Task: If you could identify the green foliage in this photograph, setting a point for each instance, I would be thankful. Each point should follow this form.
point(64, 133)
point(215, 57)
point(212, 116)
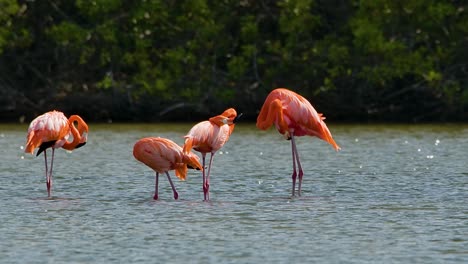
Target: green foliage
point(373, 59)
point(8, 10)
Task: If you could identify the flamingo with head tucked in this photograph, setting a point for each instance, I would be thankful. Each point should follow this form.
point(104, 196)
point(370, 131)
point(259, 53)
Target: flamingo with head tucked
point(163, 155)
point(293, 116)
point(53, 130)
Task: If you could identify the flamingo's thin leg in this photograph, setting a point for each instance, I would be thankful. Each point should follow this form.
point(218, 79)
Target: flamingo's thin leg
point(156, 187)
point(176, 195)
point(301, 173)
point(294, 174)
point(47, 173)
point(50, 172)
point(204, 177)
point(208, 178)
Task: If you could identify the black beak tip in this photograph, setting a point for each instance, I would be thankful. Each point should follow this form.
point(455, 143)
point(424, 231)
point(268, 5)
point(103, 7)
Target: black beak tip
point(237, 118)
point(191, 167)
point(80, 145)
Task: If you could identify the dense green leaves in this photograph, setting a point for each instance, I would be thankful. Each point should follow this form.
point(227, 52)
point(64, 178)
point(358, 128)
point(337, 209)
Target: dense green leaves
point(355, 60)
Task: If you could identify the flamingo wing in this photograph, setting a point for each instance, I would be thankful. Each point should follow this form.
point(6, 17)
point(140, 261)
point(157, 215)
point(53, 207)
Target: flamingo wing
point(52, 126)
point(298, 114)
point(157, 153)
point(208, 137)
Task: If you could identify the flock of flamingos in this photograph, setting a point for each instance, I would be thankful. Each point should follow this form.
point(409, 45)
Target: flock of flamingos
point(291, 113)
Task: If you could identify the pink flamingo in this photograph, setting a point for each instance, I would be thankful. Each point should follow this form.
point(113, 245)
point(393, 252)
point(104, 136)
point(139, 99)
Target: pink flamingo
point(208, 137)
point(293, 116)
point(163, 155)
point(52, 130)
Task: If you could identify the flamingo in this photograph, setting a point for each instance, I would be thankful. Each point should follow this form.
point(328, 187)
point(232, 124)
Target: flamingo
point(163, 155)
point(293, 116)
point(52, 130)
point(208, 137)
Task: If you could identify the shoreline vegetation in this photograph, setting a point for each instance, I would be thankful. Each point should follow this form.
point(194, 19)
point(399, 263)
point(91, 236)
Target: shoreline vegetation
point(170, 61)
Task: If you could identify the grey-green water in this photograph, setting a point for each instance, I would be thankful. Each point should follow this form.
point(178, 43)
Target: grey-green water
point(393, 194)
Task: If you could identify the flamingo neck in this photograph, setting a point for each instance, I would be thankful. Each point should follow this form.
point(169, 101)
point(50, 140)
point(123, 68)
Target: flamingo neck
point(77, 133)
point(274, 114)
point(220, 120)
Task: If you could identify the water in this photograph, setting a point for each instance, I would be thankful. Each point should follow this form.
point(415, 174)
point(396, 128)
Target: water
point(393, 194)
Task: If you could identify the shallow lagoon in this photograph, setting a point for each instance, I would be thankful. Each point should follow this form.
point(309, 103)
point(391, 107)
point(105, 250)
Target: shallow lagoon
point(395, 193)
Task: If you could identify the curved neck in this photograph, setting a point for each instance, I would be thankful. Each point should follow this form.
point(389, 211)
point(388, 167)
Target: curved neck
point(273, 112)
point(77, 133)
point(220, 120)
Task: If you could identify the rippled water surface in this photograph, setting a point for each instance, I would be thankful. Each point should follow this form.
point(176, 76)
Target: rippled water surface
point(393, 194)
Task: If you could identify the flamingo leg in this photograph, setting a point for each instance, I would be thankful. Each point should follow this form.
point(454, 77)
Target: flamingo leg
point(47, 173)
point(294, 174)
point(204, 177)
point(207, 184)
point(156, 187)
point(50, 172)
point(176, 195)
point(296, 154)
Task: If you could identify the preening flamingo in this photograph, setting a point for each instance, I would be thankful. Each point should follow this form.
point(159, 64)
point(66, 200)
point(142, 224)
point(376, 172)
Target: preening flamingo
point(293, 116)
point(163, 155)
point(52, 130)
point(208, 137)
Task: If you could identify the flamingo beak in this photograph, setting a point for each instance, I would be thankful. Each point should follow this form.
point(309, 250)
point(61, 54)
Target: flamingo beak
point(80, 145)
point(192, 167)
point(237, 118)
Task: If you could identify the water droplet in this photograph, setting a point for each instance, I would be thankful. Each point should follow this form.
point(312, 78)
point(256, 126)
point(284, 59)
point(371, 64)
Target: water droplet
point(360, 166)
point(22, 157)
point(21, 147)
point(261, 153)
point(419, 150)
point(356, 140)
point(406, 141)
point(430, 156)
point(227, 152)
point(221, 153)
